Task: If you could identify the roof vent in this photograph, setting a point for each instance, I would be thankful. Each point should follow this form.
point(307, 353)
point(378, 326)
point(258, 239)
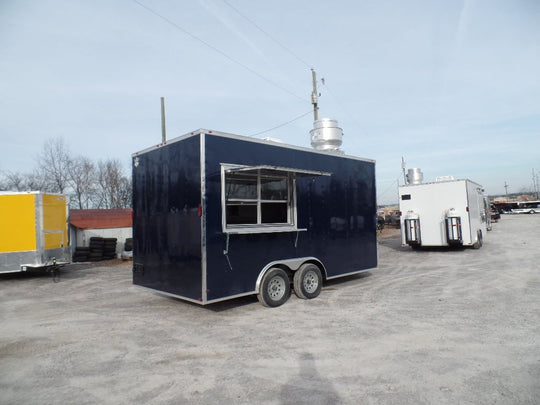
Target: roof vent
point(444, 178)
point(326, 135)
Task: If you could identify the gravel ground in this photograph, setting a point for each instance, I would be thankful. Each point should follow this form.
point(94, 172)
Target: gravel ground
point(430, 326)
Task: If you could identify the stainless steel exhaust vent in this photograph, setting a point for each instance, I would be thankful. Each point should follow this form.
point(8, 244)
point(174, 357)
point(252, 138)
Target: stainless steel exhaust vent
point(326, 135)
point(414, 176)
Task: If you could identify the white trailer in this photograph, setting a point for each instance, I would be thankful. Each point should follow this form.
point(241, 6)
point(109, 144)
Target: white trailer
point(446, 212)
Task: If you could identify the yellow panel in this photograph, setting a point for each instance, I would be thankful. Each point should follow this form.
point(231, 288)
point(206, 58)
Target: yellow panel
point(17, 223)
point(54, 240)
point(54, 219)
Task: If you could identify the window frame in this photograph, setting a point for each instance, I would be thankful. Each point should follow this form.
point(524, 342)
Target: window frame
point(292, 218)
point(261, 173)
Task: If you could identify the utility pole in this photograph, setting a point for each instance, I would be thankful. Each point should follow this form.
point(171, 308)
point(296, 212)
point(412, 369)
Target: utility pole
point(403, 170)
point(163, 133)
point(314, 96)
point(535, 183)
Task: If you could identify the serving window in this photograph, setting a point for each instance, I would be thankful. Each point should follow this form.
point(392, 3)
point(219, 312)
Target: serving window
point(260, 198)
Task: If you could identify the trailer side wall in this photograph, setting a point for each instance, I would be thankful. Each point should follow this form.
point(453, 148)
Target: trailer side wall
point(432, 201)
point(166, 223)
point(478, 209)
point(54, 221)
point(17, 223)
point(336, 213)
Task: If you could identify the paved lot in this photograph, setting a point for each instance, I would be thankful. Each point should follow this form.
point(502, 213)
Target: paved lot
point(427, 327)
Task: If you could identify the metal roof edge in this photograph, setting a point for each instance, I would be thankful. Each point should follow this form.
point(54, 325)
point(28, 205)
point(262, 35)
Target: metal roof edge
point(441, 182)
point(167, 142)
point(287, 145)
point(30, 192)
point(250, 139)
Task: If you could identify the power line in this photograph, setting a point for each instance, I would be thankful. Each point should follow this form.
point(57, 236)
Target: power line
point(346, 111)
point(281, 125)
point(267, 34)
point(380, 195)
point(215, 49)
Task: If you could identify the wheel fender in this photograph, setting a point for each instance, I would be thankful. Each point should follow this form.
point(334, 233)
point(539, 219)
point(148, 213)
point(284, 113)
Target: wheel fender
point(291, 265)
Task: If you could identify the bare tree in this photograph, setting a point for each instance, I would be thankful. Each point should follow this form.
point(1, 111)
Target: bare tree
point(114, 189)
point(53, 164)
point(17, 181)
point(125, 192)
point(14, 181)
point(89, 185)
point(82, 179)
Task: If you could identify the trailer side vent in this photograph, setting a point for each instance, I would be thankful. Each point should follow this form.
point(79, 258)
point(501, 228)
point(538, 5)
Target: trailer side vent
point(412, 231)
point(453, 230)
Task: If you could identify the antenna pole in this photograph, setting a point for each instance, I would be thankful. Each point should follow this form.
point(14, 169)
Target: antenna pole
point(163, 133)
point(314, 96)
point(535, 183)
point(403, 170)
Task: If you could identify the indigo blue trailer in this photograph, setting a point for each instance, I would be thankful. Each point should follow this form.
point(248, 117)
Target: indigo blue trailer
point(219, 216)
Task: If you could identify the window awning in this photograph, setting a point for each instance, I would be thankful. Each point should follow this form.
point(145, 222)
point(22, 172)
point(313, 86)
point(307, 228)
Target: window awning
point(273, 169)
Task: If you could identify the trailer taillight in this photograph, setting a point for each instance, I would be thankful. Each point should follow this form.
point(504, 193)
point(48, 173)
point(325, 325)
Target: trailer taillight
point(200, 210)
point(467, 209)
point(399, 213)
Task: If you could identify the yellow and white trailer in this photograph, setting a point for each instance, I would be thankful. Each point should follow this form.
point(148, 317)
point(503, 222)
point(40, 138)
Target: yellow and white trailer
point(33, 231)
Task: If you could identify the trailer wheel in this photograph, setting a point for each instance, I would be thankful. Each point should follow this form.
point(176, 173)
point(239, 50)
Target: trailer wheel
point(307, 281)
point(275, 288)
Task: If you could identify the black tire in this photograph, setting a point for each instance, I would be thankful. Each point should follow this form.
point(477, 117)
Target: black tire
point(307, 281)
point(275, 288)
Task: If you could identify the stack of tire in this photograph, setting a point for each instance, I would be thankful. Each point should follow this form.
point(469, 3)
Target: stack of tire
point(81, 254)
point(96, 249)
point(109, 248)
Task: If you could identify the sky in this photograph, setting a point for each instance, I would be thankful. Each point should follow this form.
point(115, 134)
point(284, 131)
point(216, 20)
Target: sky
point(453, 87)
